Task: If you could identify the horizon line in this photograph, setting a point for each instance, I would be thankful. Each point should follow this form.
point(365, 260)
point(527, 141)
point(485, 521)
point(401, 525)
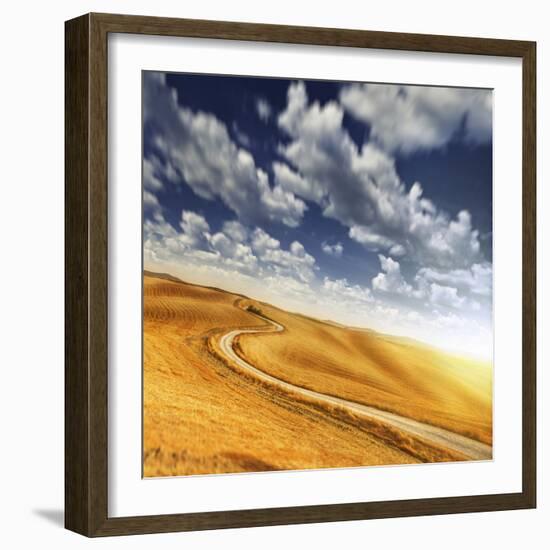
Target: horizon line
point(176, 279)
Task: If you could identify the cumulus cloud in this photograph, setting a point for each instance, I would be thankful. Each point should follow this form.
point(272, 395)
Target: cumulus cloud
point(195, 229)
point(291, 181)
point(151, 180)
point(262, 241)
point(242, 138)
point(446, 296)
point(200, 148)
point(193, 223)
point(150, 201)
point(235, 247)
point(478, 279)
point(360, 188)
point(296, 107)
point(235, 230)
point(295, 261)
point(238, 251)
point(425, 292)
point(234, 253)
point(335, 250)
point(263, 108)
point(340, 289)
point(375, 242)
point(412, 118)
point(390, 279)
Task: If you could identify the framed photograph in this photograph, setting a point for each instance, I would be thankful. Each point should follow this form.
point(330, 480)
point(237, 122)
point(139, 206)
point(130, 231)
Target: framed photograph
point(300, 275)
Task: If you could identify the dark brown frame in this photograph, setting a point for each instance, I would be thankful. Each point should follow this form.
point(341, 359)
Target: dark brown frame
point(86, 265)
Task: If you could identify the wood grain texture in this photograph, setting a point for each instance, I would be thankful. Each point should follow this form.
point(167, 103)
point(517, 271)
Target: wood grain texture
point(77, 383)
point(86, 279)
point(98, 280)
point(529, 276)
point(164, 26)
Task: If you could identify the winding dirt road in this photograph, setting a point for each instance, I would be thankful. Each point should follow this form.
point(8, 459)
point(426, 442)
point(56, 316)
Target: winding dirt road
point(474, 450)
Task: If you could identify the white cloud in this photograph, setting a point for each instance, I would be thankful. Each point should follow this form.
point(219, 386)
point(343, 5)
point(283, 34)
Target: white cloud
point(288, 288)
point(263, 108)
point(240, 136)
point(150, 179)
point(335, 250)
point(411, 118)
point(445, 296)
point(150, 201)
point(296, 261)
point(154, 171)
point(409, 224)
point(262, 241)
point(390, 279)
point(365, 236)
point(291, 181)
point(278, 204)
point(478, 279)
point(234, 249)
point(235, 230)
point(340, 289)
point(198, 145)
point(297, 249)
point(387, 313)
point(361, 189)
point(295, 109)
point(358, 187)
point(234, 254)
point(195, 229)
point(425, 290)
point(193, 223)
point(449, 320)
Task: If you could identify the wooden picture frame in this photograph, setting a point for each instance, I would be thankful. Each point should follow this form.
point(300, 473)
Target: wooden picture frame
point(86, 260)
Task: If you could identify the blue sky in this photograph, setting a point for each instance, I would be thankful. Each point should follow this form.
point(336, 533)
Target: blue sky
point(366, 204)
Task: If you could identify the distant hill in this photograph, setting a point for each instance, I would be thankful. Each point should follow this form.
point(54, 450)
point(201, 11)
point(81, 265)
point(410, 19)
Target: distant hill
point(166, 276)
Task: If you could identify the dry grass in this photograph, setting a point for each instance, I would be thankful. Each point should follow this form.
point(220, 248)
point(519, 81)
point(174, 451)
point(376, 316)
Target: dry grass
point(389, 373)
point(202, 417)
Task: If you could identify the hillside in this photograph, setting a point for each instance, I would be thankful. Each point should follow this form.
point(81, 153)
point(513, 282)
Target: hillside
point(203, 415)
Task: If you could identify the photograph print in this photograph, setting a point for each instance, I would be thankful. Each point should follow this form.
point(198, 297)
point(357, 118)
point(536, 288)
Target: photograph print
point(317, 285)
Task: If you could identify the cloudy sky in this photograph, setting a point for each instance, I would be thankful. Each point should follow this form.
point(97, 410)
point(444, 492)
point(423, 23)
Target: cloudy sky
point(365, 204)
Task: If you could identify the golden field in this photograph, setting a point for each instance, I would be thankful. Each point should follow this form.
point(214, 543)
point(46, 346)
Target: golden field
point(203, 415)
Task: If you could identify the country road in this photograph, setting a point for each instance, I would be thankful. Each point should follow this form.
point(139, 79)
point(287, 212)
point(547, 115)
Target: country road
point(474, 450)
